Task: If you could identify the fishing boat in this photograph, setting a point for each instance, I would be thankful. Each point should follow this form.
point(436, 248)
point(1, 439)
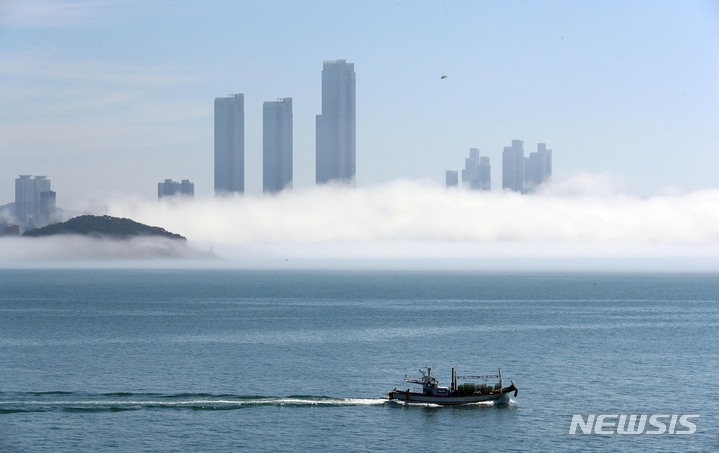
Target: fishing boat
point(465, 393)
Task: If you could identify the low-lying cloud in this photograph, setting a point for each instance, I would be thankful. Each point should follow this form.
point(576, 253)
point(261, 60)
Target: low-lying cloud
point(582, 224)
point(53, 250)
point(424, 212)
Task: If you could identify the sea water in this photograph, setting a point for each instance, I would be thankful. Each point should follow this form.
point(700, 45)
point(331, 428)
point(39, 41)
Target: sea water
point(183, 360)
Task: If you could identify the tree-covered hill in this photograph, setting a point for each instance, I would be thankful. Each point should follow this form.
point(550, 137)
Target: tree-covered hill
point(102, 226)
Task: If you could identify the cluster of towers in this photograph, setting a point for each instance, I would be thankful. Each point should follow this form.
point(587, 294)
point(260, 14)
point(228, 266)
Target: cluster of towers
point(335, 136)
point(170, 188)
point(34, 201)
point(519, 173)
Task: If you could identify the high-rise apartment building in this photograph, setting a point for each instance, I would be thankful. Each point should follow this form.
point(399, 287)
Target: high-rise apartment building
point(477, 171)
point(513, 167)
point(24, 198)
point(34, 201)
point(48, 203)
point(187, 188)
point(230, 144)
point(538, 169)
point(335, 147)
point(277, 145)
point(451, 178)
point(170, 188)
point(484, 170)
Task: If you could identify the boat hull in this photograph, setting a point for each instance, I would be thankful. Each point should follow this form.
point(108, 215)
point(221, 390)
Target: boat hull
point(502, 397)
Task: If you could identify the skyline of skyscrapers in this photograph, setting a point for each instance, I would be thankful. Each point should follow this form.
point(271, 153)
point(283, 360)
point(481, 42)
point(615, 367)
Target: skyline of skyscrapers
point(230, 144)
point(335, 158)
point(277, 136)
point(335, 143)
point(525, 174)
point(335, 139)
point(520, 174)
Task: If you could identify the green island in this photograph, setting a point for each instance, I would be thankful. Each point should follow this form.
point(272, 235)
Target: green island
point(102, 227)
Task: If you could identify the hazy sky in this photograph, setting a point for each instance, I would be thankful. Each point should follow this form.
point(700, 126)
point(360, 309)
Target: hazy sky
point(109, 97)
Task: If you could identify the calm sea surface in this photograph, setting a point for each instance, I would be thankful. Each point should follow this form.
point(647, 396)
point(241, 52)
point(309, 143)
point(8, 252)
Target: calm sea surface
point(152, 360)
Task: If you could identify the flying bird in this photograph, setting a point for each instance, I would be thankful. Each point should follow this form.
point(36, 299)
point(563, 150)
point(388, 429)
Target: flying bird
point(443, 76)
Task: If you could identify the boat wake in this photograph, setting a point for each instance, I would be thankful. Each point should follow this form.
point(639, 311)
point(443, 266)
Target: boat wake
point(480, 404)
point(11, 403)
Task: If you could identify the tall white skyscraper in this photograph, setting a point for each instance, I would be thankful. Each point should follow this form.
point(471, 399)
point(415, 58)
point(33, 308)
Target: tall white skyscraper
point(277, 145)
point(513, 166)
point(24, 198)
point(335, 147)
point(230, 144)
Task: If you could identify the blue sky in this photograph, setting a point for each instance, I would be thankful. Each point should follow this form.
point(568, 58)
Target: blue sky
point(110, 97)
